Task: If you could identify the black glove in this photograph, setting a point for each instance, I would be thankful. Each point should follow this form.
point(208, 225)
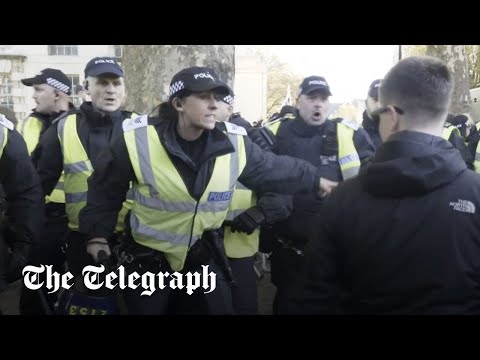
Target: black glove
point(18, 260)
point(262, 137)
point(248, 221)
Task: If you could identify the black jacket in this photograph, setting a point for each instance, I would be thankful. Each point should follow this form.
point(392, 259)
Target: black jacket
point(371, 127)
point(401, 238)
point(458, 143)
point(109, 183)
point(319, 146)
point(24, 197)
point(94, 130)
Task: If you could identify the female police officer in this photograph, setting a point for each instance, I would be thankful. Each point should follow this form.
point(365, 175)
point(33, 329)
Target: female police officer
point(184, 166)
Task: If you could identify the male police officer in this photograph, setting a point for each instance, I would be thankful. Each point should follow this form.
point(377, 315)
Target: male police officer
point(402, 237)
point(23, 193)
point(74, 142)
point(184, 166)
point(371, 104)
point(336, 147)
point(51, 93)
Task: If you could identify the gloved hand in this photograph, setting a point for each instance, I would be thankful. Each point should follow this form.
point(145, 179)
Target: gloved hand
point(18, 260)
point(262, 137)
point(248, 221)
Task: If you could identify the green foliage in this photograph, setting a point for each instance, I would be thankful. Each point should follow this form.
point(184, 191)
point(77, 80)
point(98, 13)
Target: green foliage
point(279, 77)
point(413, 50)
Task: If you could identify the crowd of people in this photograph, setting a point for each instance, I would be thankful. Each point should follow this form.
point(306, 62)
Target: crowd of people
point(371, 218)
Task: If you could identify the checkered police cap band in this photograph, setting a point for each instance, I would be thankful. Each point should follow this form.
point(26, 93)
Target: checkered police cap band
point(52, 77)
point(228, 99)
point(58, 85)
point(176, 87)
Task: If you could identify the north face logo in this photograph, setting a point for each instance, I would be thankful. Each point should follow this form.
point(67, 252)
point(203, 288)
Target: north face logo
point(463, 206)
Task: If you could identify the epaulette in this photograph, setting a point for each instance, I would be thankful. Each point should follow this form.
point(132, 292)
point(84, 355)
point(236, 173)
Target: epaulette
point(135, 123)
point(5, 122)
point(234, 129)
point(351, 124)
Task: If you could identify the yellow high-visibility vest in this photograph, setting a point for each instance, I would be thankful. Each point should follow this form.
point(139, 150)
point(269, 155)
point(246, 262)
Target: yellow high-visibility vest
point(31, 129)
point(347, 154)
point(447, 131)
point(78, 168)
point(238, 244)
point(164, 215)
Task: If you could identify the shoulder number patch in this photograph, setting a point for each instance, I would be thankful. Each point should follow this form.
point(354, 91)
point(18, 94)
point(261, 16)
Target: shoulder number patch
point(351, 124)
point(134, 123)
point(5, 122)
point(234, 129)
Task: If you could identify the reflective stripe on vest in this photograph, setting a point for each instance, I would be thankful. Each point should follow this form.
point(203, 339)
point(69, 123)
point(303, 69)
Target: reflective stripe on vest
point(238, 244)
point(164, 216)
point(3, 139)
point(31, 129)
point(347, 154)
point(77, 169)
point(447, 131)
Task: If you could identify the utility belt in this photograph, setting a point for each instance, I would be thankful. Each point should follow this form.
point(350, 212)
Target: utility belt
point(289, 245)
point(132, 255)
point(210, 247)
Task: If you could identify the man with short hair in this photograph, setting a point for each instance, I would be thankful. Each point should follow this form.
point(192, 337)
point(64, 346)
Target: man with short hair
point(369, 123)
point(74, 142)
point(336, 147)
point(51, 90)
point(402, 237)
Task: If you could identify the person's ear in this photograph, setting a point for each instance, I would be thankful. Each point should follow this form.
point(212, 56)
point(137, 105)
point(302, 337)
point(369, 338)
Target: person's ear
point(394, 119)
point(177, 104)
point(85, 86)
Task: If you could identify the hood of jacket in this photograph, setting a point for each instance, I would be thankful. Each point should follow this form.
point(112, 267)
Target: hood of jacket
point(411, 164)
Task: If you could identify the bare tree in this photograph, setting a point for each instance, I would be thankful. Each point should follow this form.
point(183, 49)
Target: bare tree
point(149, 69)
point(455, 58)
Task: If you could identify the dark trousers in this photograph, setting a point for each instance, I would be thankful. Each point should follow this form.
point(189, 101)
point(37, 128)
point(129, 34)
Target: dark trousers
point(47, 251)
point(177, 301)
point(244, 290)
point(287, 269)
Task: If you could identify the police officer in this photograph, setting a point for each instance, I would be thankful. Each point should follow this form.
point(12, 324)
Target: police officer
point(453, 132)
point(242, 227)
point(51, 93)
point(73, 144)
point(25, 204)
point(371, 104)
point(336, 147)
point(416, 249)
point(184, 166)
point(473, 145)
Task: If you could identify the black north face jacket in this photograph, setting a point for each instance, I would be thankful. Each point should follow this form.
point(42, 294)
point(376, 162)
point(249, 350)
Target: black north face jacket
point(402, 238)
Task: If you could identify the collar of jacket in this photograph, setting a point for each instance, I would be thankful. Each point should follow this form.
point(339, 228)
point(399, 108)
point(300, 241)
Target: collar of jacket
point(97, 119)
point(299, 126)
point(368, 123)
point(217, 142)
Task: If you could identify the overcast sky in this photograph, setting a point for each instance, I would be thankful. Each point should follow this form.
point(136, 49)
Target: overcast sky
point(348, 69)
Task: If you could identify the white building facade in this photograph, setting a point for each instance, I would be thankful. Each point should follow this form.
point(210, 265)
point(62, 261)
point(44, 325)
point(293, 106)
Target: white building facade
point(23, 61)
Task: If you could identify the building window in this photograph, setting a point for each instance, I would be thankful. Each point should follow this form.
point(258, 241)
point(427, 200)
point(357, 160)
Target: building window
point(76, 96)
point(67, 50)
point(118, 49)
point(6, 97)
